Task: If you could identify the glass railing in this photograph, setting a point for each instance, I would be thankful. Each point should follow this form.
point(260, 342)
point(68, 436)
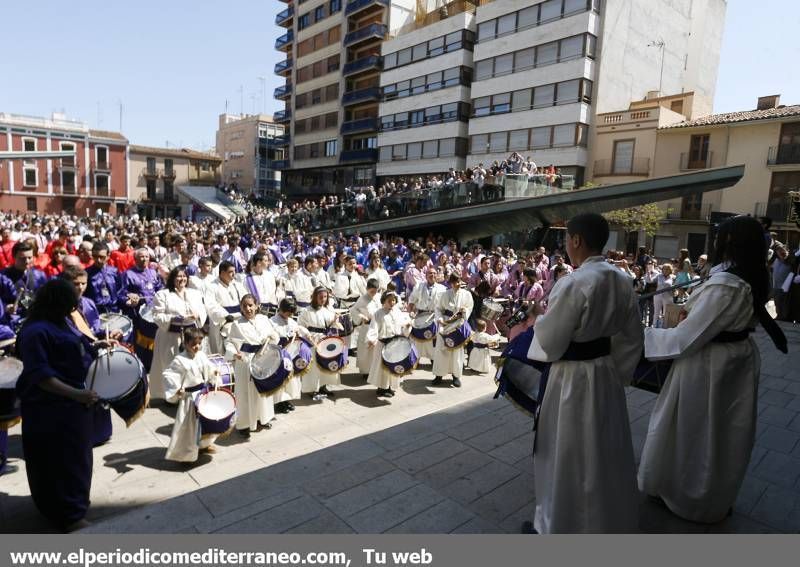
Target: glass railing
point(284, 16)
point(376, 30)
point(283, 66)
point(361, 125)
point(372, 61)
point(283, 91)
point(356, 5)
point(284, 40)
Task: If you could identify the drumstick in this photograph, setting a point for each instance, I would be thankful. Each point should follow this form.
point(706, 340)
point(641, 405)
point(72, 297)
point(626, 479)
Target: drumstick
point(94, 373)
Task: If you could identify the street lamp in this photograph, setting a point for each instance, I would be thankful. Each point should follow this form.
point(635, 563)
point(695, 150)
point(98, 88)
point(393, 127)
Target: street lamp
point(659, 44)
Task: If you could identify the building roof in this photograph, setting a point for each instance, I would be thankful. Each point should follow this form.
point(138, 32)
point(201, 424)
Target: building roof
point(174, 152)
point(735, 117)
point(107, 135)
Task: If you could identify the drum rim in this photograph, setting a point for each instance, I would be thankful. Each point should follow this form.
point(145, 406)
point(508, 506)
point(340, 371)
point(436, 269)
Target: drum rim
point(104, 318)
point(132, 387)
point(12, 383)
point(204, 396)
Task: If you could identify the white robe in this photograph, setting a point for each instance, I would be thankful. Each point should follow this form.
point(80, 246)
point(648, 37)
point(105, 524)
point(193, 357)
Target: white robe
point(425, 299)
point(315, 376)
point(251, 406)
point(167, 305)
point(381, 275)
point(361, 313)
point(703, 425)
point(266, 287)
point(450, 360)
point(348, 286)
point(185, 372)
point(289, 328)
point(584, 466)
point(201, 284)
point(219, 297)
point(300, 286)
point(480, 358)
point(385, 325)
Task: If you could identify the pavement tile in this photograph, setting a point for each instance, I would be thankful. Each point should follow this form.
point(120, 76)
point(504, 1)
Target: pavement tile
point(345, 479)
point(477, 526)
point(325, 523)
point(412, 444)
point(792, 388)
point(442, 518)
point(778, 439)
point(444, 473)
point(515, 450)
point(775, 383)
point(369, 493)
point(779, 469)
point(258, 504)
point(778, 508)
point(776, 398)
point(505, 499)
point(749, 494)
point(513, 522)
point(474, 427)
point(428, 456)
point(472, 485)
point(499, 436)
point(777, 416)
point(278, 519)
point(395, 510)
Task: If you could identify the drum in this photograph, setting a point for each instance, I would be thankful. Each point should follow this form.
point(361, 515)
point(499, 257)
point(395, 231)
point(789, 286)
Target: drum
point(650, 376)
point(116, 322)
point(10, 371)
point(331, 354)
point(215, 411)
point(424, 326)
point(270, 369)
point(145, 336)
point(224, 370)
point(146, 314)
point(456, 333)
point(520, 380)
point(491, 310)
point(346, 322)
point(300, 351)
point(120, 380)
point(672, 315)
point(399, 356)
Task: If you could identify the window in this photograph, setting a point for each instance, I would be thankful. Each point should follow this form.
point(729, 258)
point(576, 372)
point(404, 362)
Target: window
point(419, 52)
point(479, 143)
point(303, 21)
point(387, 122)
point(486, 30)
point(501, 103)
point(518, 140)
point(168, 191)
point(415, 151)
point(543, 96)
point(330, 148)
point(30, 204)
point(547, 54)
point(571, 48)
point(67, 147)
point(540, 137)
point(29, 144)
point(390, 61)
point(586, 88)
point(386, 153)
point(507, 24)
point(399, 152)
point(521, 100)
point(319, 13)
point(68, 182)
point(525, 59)
point(101, 185)
point(482, 106)
point(151, 189)
point(498, 142)
point(483, 69)
point(450, 111)
point(430, 149)
point(335, 6)
point(404, 56)
point(447, 147)
point(453, 41)
point(401, 120)
point(568, 91)
point(390, 92)
point(528, 17)
point(403, 88)
point(416, 118)
point(623, 156)
point(31, 177)
point(591, 44)
point(451, 76)
point(503, 64)
point(433, 114)
point(564, 135)
point(550, 10)
point(436, 46)
point(418, 85)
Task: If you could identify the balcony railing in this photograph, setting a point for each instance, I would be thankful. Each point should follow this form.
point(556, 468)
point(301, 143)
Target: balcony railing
point(281, 141)
point(785, 154)
point(282, 116)
point(355, 6)
point(701, 162)
point(372, 31)
point(284, 41)
point(69, 190)
point(150, 172)
point(362, 95)
point(101, 165)
point(269, 184)
point(283, 92)
point(283, 67)
point(607, 167)
point(284, 18)
point(676, 211)
point(169, 173)
point(281, 164)
point(366, 154)
point(65, 164)
point(359, 126)
point(365, 63)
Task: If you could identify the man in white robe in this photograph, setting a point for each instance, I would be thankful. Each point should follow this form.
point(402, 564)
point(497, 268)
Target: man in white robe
point(222, 304)
point(361, 314)
point(455, 302)
point(423, 301)
point(584, 466)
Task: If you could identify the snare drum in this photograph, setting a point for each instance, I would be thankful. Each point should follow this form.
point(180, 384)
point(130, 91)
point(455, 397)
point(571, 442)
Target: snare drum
point(120, 380)
point(456, 333)
point(216, 410)
point(331, 354)
point(491, 310)
point(346, 322)
point(399, 356)
point(224, 369)
point(116, 322)
point(10, 371)
point(270, 369)
point(519, 379)
point(145, 336)
point(300, 351)
point(424, 326)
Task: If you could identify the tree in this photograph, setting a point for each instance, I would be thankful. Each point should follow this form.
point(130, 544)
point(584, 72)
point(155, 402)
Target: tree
point(645, 217)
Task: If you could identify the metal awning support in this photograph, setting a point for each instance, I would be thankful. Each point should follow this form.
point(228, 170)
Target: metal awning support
point(37, 155)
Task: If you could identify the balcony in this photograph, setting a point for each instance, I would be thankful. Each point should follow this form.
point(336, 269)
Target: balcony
point(360, 126)
point(151, 172)
point(69, 189)
point(65, 164)
point(372, 31)
point(785, 154)
point(370, 94)
point(370, 63)
point(367, 154)
point(676, 211)
point(284, 68)
point(280, 164)
point(169, 173)
point(607, 167)
point(777, 210)
point(284, 42)
point(269, 184)
point(284, 18)
point(365, 6)
point(101, 192)
point(281, 141)
point(689, 162)
point(101, 166)
point(282, 116)
point(283, 92)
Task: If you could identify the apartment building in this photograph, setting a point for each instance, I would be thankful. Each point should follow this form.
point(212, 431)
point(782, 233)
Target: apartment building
point(544, 70)
point(332, 89)
point(156, 173)
point(425, 84)
point(94, 178)
point(252, 148)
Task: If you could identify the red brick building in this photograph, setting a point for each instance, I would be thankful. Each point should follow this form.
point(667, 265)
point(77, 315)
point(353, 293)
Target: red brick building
point(96, 178)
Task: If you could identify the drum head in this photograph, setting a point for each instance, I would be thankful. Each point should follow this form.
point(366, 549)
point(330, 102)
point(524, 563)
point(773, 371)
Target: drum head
point(10, 371)
point(330, 347)
point(397, 350)
point(216, 404)
point(114, 374)
point(266, 363)
point(116, 322)
point(423, 320)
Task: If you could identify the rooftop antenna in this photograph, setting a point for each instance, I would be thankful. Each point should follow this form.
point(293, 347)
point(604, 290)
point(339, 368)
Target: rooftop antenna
point(659, 44)
point(241, 100)
point(263, 94)
point(119, 100)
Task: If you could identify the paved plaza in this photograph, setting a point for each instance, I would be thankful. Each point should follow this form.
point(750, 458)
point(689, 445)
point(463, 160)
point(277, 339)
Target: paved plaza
point(434, 460)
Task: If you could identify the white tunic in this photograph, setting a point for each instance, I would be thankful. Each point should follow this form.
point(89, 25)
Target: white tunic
point(381, 275)
point(450, 360)
point(361, 313)
point(480, 358)
point(288, 328)
point(315, 377)
point(583, 465)
point(166, 306)
point(425, 298)
point(183, 373)
point(220, 297)
point(251, 406)
point(349, 286)
point(263, 286)
point(299, 285)
point(385, 325)
point(703, 425)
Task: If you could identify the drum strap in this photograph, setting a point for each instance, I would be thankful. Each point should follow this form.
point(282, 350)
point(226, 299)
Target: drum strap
point(387, 340)
point(79, 319)
point(317, 329)
point(250, 348)
point(732, 336)
point(195, 388)
point(479, 345)
point(588, 350)
point(233, 309)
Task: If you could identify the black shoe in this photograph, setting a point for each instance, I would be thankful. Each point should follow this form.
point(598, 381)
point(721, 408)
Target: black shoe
point(290, 405)
point(281, 407)
point(365, 377)
point(437, 381)
point(456, 382)
point(381, 393)
point(390, 393)
point(325, 392)
point(243, 432)
point(267, 425)
point(527, 528)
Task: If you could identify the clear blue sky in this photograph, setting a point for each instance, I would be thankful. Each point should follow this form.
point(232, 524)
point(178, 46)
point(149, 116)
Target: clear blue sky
point(174, 63)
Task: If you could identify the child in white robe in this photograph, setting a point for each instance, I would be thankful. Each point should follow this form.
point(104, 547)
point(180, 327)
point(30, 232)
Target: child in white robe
point(289, 330)
point(361, 314)
point(480, 359)
point(189, 372)
point(387, 324)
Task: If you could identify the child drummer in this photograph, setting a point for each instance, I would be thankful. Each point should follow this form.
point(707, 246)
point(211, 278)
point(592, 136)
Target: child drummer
point(289, 330)
point(480, 358)
point(189, 372)
point(388, 323)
